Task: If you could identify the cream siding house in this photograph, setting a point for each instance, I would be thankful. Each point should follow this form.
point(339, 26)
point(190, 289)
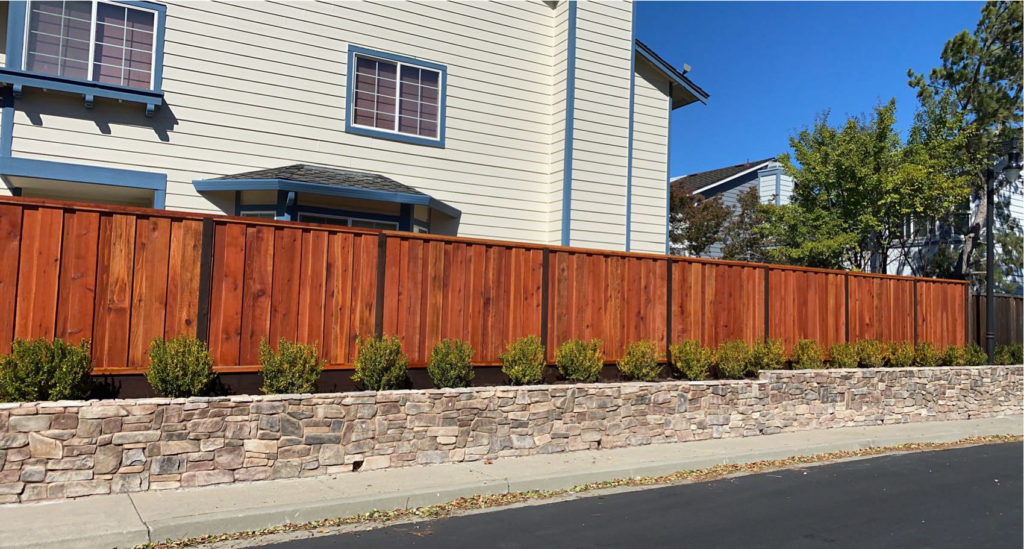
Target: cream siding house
point(543, 122)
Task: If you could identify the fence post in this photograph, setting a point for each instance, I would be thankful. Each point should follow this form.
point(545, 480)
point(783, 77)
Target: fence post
point(545, 263)
point(668, 311)
point(967, 313)
point(915, 312)
point(378, 313)
point(767, 314)
point(846, 304)
point(205, 281)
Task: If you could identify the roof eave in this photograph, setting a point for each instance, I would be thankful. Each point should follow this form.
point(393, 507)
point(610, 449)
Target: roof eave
point(687, 91)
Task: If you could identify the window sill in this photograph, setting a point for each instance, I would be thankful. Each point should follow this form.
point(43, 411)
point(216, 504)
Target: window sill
point(19, 80)
point(400, 137)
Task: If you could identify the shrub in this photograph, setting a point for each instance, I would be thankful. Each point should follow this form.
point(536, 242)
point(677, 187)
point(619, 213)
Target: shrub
point(1010, 354)
point(954, 355)
point(872, 353)
point(974, 355)
point(381, 365)
point(766, 355)
point(40, 370)
point(523, 361)
point(294, 368)
point(806, 355)
point(180, 367)
point(901, 355)
point(732, 358)
point(692, 359)
point(580, 361)
point(843, 355)
point(450, 363)
point(926, 355)
point(640, 362)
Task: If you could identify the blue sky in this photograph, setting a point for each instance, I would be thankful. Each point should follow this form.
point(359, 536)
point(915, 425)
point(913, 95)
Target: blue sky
point(770, 66)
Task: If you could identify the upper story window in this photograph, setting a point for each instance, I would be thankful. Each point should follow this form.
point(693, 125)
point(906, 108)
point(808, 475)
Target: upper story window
point(395, 97)
point(106, 42)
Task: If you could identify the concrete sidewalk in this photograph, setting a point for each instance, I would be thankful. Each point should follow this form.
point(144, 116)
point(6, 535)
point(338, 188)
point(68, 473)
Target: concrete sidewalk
point(125, 520)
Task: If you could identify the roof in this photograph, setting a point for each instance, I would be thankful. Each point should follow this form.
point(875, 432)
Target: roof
point(323, 180)
point(689, 92)
point(697, 181)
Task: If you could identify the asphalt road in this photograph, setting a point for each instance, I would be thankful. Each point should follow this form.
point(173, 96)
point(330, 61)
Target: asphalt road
point(967, 497)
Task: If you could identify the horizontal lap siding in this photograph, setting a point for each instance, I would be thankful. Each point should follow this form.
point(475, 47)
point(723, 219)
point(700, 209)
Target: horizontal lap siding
point(259, 85)
point(881, 309)
point(715, 303)
point(806, 305)
point(618, 300)
point(650, 161)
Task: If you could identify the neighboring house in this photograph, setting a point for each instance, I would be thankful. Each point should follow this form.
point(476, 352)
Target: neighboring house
point(766, 175)
point(543, 122)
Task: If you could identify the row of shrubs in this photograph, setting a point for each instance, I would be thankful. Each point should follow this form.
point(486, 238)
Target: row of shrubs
point(180, 367)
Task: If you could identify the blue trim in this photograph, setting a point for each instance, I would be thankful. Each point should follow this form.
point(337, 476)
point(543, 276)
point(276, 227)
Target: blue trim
point(394, 136)
point(570, 105)
point(629, 148)
point(95, 175)
point(672, 74)
point(14, 74)
point(328, 190)
point(6, 131)
point(668, 176)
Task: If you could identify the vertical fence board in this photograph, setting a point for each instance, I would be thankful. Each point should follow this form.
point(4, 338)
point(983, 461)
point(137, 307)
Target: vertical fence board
point(312, 276)
point(77, 294)
point(114, 279)
point(338, 306)
point(258, 285)
point(226, 297)
point(941, 313)
point(149, 294)
point(807, 305)
point(38, 272)
point(713, 303)
point(10, 250)
point(183, 278)
point(284, 300)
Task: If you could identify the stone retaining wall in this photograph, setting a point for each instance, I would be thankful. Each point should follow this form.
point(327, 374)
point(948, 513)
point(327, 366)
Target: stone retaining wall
point(56, 450)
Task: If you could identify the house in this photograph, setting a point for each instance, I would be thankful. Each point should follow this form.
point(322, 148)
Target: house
point(543, 122)
point(766, 175)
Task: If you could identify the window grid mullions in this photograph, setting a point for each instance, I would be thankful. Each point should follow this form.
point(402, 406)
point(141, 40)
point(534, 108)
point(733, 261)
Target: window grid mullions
point(399, 100)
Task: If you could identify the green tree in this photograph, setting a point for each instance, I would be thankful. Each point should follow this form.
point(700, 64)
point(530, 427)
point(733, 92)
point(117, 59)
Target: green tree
point(741, 237)
point(696, 222)
point(976, 95)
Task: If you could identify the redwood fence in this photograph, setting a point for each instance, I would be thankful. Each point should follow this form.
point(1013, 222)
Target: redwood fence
point(1009, 327)
point(123, 276)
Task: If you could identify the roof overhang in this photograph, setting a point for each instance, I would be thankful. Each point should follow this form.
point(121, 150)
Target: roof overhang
point(683, 90)
point(209, 185)
point(757, 167)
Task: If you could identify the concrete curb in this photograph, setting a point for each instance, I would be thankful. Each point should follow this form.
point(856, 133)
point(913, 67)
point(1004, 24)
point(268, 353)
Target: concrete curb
point(126, 520)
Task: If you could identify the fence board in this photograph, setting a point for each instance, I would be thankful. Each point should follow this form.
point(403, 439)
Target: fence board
point(1009, 311)
point(284, 302)
point(226, 294)
point(114, 276)
point(881, 308)
point(714, 303)
point(312, 280)
point(183, 278)
point(259, 276)
point(10, 250)
point(941, 313)
point(149, 295)
point(806, 305)
point(77, 287)
point(38, 273)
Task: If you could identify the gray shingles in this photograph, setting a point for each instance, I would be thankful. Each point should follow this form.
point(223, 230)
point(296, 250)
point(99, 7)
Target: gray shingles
point(692, 182)
point(307, 173)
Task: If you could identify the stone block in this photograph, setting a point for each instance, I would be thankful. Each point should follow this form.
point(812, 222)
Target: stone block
point(166, 465)
point(43, 447)
point(101, 412)
point(261, 446)
point(252, 473)
point(35, 473)
point(133, 437)
point(87, 488)
point(230, 457)
point(285, 469)
point(331, 455)
point(107, 460)
point(174, 447)
point(13, 440)
point(28, 424)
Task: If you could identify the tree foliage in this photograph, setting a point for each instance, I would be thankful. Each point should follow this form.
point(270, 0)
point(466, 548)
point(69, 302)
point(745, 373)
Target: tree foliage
point(696, 223)
point(742, 241)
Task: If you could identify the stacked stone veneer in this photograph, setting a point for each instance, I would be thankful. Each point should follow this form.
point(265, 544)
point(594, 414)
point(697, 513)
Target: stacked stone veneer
point(58, 450)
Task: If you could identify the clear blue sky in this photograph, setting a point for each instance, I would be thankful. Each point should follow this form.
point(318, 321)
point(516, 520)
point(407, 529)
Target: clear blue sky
point(770, 66)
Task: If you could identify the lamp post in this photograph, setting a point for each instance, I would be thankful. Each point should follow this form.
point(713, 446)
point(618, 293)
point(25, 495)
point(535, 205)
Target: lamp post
point(1011, 171)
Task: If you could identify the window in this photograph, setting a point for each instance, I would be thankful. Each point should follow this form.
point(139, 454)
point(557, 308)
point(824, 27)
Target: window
point(346, 221)
point(395, 97)
point(100, 41)
point(259, 214)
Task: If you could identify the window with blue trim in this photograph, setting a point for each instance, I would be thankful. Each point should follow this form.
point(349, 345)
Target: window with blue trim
point(395, 97)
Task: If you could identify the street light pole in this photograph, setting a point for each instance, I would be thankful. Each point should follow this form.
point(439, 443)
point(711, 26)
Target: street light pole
point(990, 254)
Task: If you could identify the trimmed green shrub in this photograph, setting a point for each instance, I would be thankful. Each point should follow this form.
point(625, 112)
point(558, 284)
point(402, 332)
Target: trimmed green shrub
point(766, 355)
point(732, 358)
point(974, 355)
point(381, 365)
point(843, 355)
point(872, 353)
point(807, 355)
point(523, 361)
point(902, 354)
point(640, 362)
point(580, 361)
point(41, 370)
point(954, 355)
point(294, 368)
point(1010, 354)
point(180, 367)
point(692, 359)
point(926, 355)
point(450, 363)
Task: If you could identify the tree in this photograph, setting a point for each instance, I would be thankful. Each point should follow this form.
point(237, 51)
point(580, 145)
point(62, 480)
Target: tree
point(977, 93)
point(741, 239)
point(696, 222)
point(855, 187)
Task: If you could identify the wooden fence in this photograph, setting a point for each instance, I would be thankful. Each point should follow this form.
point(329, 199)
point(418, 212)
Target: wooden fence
point(1009, 327)
point(123, 276)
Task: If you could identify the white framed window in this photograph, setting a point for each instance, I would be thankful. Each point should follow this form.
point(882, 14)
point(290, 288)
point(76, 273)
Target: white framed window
point(324, 219)
point(99, 40)
point(397, 97)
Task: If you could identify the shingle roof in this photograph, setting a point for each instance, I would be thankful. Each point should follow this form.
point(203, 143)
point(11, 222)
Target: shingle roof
point(675, 71)
point(306, 173)
point(692, 182)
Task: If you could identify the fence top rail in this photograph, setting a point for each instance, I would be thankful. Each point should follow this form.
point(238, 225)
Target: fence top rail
point(150, 212)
